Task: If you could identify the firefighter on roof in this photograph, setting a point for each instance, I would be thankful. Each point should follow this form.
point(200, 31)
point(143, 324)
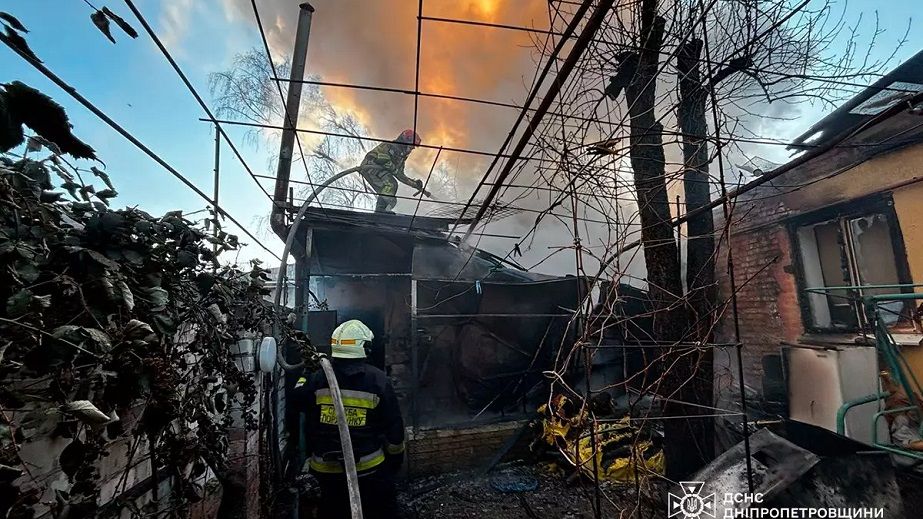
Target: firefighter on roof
point(383, 168)
point(375, 426)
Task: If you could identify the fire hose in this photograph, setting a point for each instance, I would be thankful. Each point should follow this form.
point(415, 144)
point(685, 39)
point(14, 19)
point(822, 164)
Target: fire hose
point(349, 457)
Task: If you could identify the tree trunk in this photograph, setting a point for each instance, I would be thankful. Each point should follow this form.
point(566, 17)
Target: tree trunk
point(660, 248)
point(700, 244)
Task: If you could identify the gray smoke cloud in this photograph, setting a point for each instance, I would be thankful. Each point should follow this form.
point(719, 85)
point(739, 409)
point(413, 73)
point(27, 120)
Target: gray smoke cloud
point(374, 43)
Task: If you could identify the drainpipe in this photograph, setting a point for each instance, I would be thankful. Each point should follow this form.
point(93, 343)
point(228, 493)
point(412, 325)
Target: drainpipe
point(292, 106)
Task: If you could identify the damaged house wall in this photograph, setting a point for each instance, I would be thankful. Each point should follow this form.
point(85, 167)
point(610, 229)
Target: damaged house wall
point(765, 247)
point(845, 218)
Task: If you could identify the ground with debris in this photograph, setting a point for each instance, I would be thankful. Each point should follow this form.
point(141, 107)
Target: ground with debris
point(515, 491)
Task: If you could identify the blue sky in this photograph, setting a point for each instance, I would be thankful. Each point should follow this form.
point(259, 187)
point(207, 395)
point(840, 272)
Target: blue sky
point(132, 83)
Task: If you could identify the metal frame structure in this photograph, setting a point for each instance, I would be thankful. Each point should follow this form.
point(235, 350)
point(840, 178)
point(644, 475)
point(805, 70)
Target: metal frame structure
point(889, 351)
point(283, 201)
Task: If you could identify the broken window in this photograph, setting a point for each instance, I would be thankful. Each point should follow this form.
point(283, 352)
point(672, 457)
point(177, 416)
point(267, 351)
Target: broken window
point(849, 249)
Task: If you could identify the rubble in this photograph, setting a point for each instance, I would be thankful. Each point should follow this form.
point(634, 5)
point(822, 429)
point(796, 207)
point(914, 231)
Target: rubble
point(462, 495)
point(809, 467)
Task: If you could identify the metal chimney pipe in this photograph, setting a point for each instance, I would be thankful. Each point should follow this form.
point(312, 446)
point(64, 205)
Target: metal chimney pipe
point(292, 106)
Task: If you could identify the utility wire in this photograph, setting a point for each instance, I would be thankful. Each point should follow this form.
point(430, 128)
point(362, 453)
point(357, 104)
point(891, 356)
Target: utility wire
point(571, 27)
point(784, 75)
point(489, 102)
point(288, 117)
point(373, 139)
point(195, 94)
point(595, 21)
point(131, 138)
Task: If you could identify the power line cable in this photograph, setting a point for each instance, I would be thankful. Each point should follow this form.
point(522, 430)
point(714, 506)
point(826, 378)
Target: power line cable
point(195, 93)
point(361, 138)
point(784, 75)
point(131, 138)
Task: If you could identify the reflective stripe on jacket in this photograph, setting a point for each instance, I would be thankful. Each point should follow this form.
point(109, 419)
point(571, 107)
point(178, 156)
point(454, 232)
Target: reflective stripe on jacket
point(372, 413)
point(390, 156)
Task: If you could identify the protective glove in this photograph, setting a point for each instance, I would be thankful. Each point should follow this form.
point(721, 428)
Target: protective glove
point(393, 462)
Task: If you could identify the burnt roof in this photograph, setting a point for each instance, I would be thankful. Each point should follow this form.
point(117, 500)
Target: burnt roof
point(386, 222)
point(405, 231)
point(900, 84)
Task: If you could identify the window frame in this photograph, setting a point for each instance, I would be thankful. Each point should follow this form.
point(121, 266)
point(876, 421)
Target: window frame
point(882, 203)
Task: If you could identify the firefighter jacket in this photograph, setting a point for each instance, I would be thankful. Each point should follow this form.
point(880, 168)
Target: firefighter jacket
point(387, 159)
point(372, 412)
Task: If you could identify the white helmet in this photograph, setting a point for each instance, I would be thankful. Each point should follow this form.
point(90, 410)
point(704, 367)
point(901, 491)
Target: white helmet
point(348, 340)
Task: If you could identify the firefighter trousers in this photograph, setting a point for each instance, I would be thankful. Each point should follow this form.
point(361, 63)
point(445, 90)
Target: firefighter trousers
point(377, 489)
point(386, 186)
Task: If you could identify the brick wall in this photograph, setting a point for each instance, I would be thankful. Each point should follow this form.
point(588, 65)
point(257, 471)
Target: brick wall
point(434, 451)
point(244, 458)
point(767, 293)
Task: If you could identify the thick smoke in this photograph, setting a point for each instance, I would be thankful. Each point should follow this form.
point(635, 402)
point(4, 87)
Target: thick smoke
point(374, 43)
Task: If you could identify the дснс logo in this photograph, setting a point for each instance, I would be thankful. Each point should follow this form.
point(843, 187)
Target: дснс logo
point(691, 505)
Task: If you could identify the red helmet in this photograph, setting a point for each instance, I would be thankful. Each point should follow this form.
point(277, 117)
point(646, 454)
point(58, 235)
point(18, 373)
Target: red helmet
point(409, 136)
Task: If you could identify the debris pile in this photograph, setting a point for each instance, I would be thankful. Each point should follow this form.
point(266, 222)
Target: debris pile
point(624, 451)
point(524, 491)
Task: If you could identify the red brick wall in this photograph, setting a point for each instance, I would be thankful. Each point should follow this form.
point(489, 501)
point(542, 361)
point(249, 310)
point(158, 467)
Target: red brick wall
point(767, 293)
point(437, 451)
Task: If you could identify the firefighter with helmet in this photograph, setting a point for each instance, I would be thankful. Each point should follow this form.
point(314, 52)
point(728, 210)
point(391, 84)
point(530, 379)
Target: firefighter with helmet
point(375, 427)
point(383, 168)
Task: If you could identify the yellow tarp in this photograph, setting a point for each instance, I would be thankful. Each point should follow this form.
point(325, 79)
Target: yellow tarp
point(572, 437)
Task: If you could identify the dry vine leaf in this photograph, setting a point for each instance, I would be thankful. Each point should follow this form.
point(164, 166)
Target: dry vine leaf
point(81, 335)
point(50, 146)
point(86, 411)
point(39, 422)
point(103, 176)
point(72, 457)
point(47, 118)
point(128, 299)
point(20, 43)
point(101, 21)
point(129, 30)
point(137, 330)
point(14, 23)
